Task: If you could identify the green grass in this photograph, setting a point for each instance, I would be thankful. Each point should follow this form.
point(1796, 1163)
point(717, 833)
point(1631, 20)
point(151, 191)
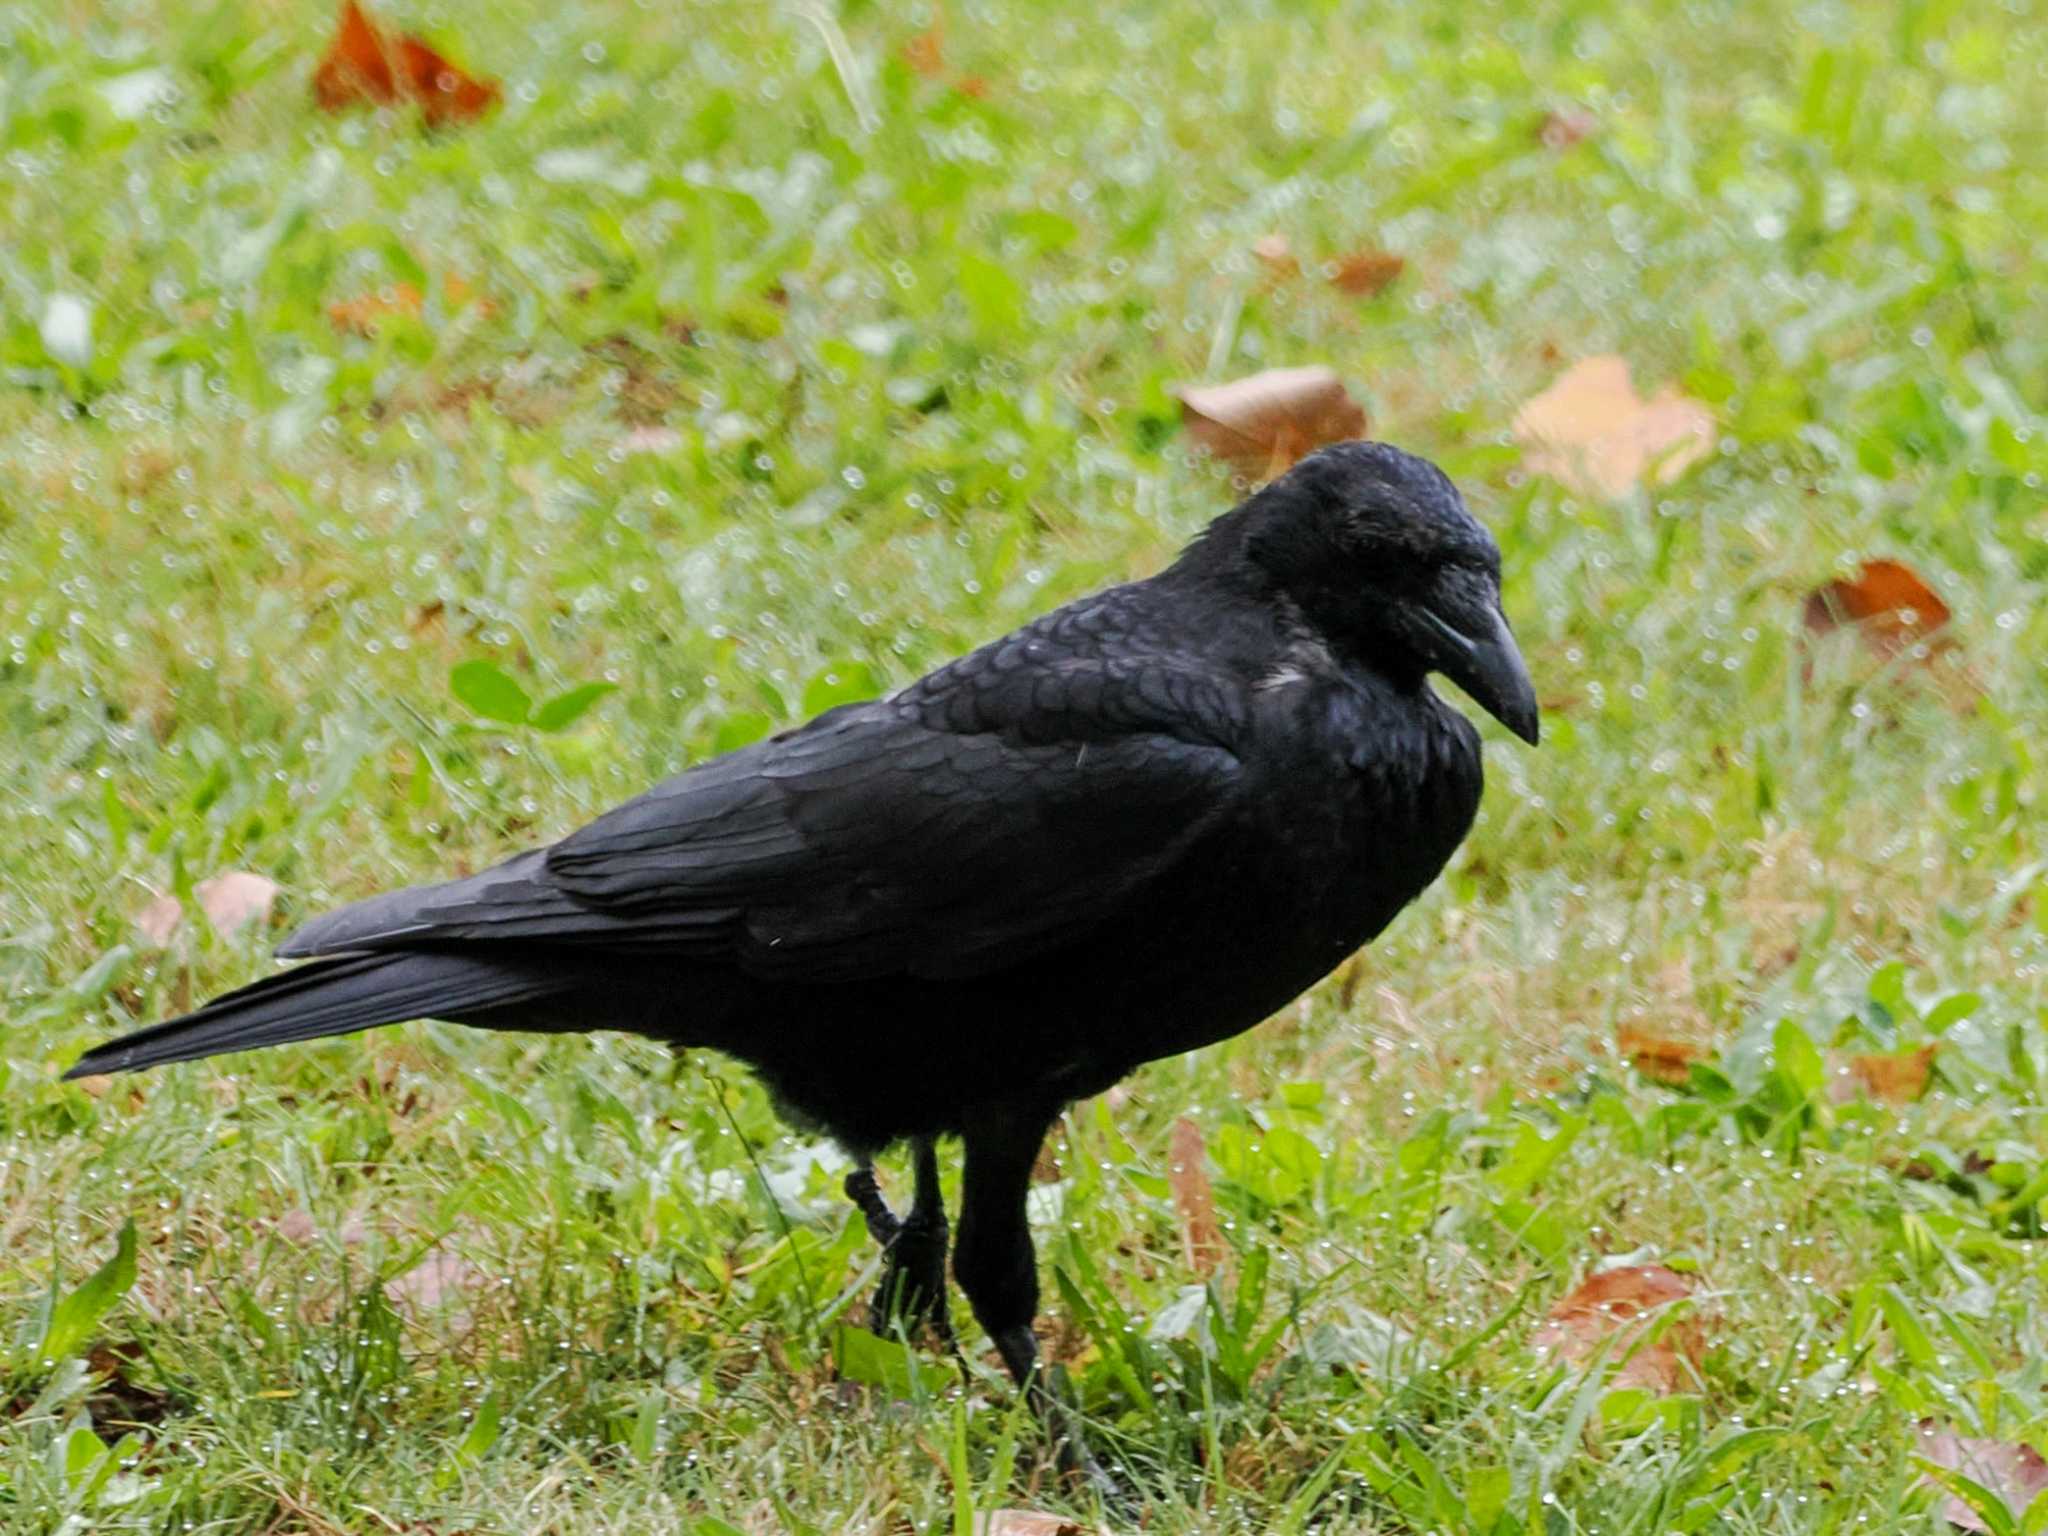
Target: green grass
point(912, 349)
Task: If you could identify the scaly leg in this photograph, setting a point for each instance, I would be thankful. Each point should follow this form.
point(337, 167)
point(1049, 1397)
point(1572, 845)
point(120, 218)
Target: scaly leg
point(998, 1269)
point(913, 1289)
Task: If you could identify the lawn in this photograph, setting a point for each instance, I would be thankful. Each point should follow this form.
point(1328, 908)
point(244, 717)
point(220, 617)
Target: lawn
point(748, 358)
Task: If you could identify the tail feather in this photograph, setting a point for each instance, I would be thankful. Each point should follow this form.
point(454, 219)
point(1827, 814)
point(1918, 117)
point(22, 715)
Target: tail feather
point(327, 997)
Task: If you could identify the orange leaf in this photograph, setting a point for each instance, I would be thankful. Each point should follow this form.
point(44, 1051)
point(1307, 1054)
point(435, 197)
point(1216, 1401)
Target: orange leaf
point(1887, 602)
point(359, 317)
point(1897, 1078)
point(926, 52)
point(356, 67)
point(1617, 1301)
point(1365, 273)
point(445, 93)
point(364, 67)
point(1593, 434)
point(1263, 423)
point(2015, 1473)
point(1201, 1238)
point(1668, 1061)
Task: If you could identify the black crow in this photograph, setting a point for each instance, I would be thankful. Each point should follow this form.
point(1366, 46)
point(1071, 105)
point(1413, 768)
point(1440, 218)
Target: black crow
point(1139, 824)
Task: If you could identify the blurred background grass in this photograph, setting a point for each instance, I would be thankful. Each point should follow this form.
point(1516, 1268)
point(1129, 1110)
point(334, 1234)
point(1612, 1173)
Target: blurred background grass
point(766, 355)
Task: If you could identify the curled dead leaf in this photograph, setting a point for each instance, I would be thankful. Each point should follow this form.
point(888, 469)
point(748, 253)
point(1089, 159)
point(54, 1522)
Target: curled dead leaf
point(363, 67)
point(1365, 273)
point(1593, 434)
point(1890, 606)
point(1201, 1236)
point(435, 1281)
point(1899, 1077)
point(231, 902)
point(2014, 1474)
point(1666, 1061)
point(1621, 1301)
point(1267, 421)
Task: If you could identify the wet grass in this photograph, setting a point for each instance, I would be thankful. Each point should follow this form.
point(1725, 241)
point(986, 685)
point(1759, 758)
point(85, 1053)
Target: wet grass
point(753, 366)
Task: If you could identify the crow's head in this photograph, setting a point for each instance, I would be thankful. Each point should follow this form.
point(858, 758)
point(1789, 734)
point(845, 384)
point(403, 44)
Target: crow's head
point(1377, 550)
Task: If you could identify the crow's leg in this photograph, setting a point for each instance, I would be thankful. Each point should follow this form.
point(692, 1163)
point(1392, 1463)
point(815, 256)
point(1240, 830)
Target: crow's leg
point(998, 1270)
point(913, 1288)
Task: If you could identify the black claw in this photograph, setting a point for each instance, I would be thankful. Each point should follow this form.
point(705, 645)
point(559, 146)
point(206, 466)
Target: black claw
point(866, 1194)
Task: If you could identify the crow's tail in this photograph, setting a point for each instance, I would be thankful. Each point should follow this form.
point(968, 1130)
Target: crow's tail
point(327, 997)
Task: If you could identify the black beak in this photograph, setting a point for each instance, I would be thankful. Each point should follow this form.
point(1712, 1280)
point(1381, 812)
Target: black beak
point(1489, 666)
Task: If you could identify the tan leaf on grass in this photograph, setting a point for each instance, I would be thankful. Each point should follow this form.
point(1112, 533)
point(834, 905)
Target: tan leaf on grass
point(1365, 273)
point(1593, 434)
point(1899, 1077)
point(1027, 1522)
point(1890, 606)
point(1265, 422)
point(231, 902)
point(1667, 1061)
point(1276, 255)
point(436, 1280)
point(2014, 1473)
point(926, 52)
point(1621, 1301)
point(1565, 127)
point(1201, 1237)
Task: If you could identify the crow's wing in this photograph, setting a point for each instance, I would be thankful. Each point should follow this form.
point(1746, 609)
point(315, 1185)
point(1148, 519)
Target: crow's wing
point(953, 830)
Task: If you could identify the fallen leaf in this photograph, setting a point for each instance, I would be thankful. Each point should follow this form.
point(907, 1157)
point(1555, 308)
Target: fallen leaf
point(1277, 255)
point(1026, 1522)
point(1593, 434)
point(236, 899)
point(445, 93)
point(296, 1226)
point(362, 67)
point(1616, 1301)
point(1897, 1078)
point(1888, 604)
point(1565, 127)
point(433, 1282)
point(926, 52)
point(356, 67)
point(160, 919)
point(1667, 1061)
point(1267, 421)
point(1365, 273)
point(231, 902)
point(651, 440)
point(359, 316)
point(1201, 1237)
point(2014, 1474)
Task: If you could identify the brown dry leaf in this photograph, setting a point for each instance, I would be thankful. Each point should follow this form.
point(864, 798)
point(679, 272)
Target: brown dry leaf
point(1897, 1078)
point(1276, 255)
point(1617, 1301)
point(1888, 603)
point(1667, 1061)
point(364, 67)
point(651, 440)
point(1593, 434)
point(1201, 1238)
point(1565, 127)
point(160, 919)
point(1267, 421)
point(2016, 1473)
point(1365, 273)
